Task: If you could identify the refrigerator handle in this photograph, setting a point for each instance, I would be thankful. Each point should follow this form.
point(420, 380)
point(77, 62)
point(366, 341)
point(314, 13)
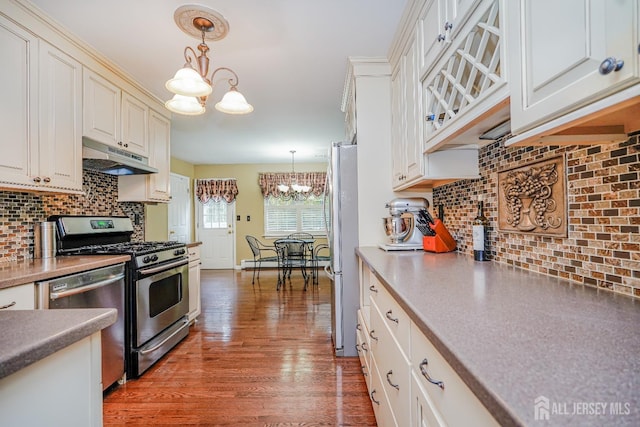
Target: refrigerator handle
point(324, 202)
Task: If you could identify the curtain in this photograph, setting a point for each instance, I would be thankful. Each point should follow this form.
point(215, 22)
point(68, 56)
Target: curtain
point(269, 182)
point(216, 190)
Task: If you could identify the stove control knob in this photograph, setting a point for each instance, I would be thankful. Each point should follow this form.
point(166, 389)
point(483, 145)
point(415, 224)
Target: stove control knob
point(154, 258)
point(146, 259)
point(179, 252)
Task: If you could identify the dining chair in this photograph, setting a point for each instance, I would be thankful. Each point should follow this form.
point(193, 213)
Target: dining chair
point(317, 258)
point(259, 250)
point(292, 253)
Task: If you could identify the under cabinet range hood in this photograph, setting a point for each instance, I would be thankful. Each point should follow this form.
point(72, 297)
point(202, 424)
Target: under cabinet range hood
point(113, 161)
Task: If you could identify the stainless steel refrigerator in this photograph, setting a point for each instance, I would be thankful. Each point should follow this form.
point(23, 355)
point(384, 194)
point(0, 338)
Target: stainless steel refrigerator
point(341, 220)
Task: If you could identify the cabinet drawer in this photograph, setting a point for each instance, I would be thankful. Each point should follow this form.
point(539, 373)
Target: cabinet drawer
point(18, 297)
point(379, 401)
point(423, 411)
point(393, 316)
point(393, 365)
point(194, 253)
point(362, 347)
point(456, 402)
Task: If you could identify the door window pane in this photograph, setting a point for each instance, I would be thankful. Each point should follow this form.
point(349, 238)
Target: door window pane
point(214, 215)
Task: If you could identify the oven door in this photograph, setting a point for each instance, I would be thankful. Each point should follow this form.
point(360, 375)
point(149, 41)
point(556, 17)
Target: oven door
point(161, 299)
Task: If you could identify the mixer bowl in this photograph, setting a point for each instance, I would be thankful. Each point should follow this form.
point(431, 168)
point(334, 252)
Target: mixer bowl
point(397, 228)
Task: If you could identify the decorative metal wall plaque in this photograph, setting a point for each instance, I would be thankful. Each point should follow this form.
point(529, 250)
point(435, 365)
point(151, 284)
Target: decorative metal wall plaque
point(533, 198)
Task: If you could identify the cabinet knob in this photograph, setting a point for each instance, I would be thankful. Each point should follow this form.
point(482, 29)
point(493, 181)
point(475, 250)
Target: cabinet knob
point(120, 143)
point(47, 179)
point(37, 179)
point(610, 64)
point(441, 38)
point(448, 26)
point(126, 145)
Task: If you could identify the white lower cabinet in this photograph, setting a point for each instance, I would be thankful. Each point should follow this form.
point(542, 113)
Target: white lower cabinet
point(449, 394)
point(63, 389)
point(409, 382)
point(20, 297)
point(194, 283)
point(393, 367)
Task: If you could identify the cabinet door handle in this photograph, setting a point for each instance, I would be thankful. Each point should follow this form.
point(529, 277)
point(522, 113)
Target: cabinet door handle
point(358, 327)
point(363, 346)
point(389, 313)
point(396, 386)
point(358, 348)
point(423, 370)
point(364, 370)
point(11, 304)
point(610, 64)
point(373, 336)
point(373, 289)
point(373, 399)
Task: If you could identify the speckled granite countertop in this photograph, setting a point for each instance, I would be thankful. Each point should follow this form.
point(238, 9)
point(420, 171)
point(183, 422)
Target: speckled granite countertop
point(20, 272)
point(31, 335)
point(514, 336)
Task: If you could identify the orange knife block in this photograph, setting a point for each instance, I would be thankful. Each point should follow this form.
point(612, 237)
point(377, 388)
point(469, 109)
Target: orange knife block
point(441, 242)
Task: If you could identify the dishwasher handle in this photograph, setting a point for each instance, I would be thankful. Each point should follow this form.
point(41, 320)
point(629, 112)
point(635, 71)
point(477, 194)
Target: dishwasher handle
point(87, 288)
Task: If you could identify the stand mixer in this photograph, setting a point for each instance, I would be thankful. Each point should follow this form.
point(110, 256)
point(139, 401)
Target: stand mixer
point(401, 225)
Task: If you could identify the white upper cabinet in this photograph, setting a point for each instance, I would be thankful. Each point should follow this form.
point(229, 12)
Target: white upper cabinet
point(60, 147)
point(113, 116)
point(567, 54)
point(42, 89)
point(439, 22)
point(19, 120)
point(153, 187)
point(102, 108)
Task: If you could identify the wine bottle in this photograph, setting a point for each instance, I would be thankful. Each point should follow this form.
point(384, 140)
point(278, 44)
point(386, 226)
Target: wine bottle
point(480, 225)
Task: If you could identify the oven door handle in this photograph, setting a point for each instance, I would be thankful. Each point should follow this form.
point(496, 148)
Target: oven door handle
point(163, 267)
point(160, 344)
point(87, 288)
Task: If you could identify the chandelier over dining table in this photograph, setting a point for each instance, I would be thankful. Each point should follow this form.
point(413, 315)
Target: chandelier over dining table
point(293, 182)
point(192, 84)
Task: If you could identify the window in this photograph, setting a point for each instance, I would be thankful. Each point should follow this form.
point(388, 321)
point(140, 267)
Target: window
point(214, 215)
point(282, 217)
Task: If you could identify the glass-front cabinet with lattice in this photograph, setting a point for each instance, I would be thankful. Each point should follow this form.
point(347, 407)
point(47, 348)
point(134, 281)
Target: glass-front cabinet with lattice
point(468, 82)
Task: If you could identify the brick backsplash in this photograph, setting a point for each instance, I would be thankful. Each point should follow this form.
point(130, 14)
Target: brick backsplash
point(603, 198)
point(20, 211)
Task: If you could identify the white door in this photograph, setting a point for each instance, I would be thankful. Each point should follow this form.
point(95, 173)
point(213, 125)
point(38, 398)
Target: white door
point(179, 209)
point(216, 232)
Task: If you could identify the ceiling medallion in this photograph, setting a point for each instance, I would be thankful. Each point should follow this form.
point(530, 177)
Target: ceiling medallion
point(185, 16)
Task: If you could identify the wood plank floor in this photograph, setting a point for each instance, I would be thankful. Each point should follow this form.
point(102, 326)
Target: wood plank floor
point(256, 357)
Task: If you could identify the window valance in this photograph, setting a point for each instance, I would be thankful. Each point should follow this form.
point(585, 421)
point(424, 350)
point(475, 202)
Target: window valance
point(216, 190)
point(269, 182)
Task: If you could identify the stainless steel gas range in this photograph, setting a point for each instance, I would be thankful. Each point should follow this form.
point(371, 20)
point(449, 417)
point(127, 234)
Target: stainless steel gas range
point(156, 285)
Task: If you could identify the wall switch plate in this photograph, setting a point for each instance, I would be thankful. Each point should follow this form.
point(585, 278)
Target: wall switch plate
point(237, 217)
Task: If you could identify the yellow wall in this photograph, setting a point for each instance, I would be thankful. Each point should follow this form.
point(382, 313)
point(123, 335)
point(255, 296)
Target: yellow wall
point(250, 200)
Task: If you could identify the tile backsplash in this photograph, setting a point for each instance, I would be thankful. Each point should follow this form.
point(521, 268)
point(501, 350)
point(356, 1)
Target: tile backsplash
point(603, 198)
point(20, 211)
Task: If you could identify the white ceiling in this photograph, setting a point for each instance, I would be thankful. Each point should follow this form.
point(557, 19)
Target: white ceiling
point(290, 56)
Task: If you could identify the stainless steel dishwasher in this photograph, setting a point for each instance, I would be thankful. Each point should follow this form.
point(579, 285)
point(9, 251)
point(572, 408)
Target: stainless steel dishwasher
point(99, 288)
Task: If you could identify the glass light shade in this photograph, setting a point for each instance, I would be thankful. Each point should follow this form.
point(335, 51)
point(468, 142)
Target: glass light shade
point(188, 82)
point(233, 102)
point(300, 188)
point(187, 105)
point(283, 188)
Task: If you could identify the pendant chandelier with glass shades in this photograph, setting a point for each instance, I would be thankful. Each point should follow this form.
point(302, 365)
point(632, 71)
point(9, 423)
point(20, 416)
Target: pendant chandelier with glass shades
point(191, 84)
point(293, 182)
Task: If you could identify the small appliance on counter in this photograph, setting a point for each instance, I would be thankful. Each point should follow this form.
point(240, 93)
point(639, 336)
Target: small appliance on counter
point(402, 226)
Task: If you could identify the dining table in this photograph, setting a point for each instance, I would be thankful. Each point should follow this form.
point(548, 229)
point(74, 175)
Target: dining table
point(293, 253)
